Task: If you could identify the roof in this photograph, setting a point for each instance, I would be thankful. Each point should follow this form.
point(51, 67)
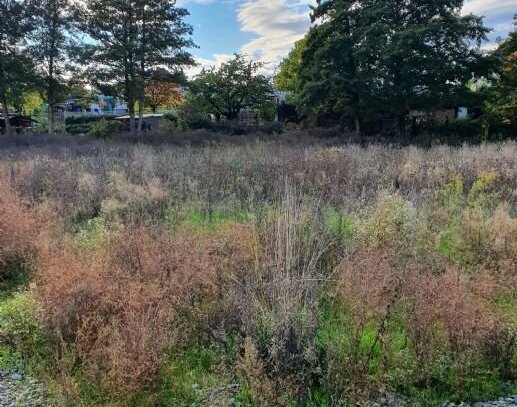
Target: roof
point(145, 116)
point(18, 116)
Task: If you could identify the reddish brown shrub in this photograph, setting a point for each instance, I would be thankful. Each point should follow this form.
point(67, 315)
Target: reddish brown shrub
point(120, 305)
point(17, 227)
point(446, 313)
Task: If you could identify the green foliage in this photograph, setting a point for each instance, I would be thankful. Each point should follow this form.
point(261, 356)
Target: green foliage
point(376, 56)
point(339, 225)
point(192, 376)
point(168, 127)
point(287, 77)
point(91, 233)
point(17, 70)
point(104, 128)
point(392, 221)
point(226, 90)
point(32, 102)
point(501, 101)
point(464, 236)
point(127, 49)
point(267, 111)
point(22, 332)
point(452, 194)
point(48, 46)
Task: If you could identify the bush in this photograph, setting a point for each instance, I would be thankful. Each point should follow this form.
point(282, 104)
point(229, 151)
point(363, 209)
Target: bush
point(18, 231)
point(120, 305)
point(21, 330)
point(104, 128)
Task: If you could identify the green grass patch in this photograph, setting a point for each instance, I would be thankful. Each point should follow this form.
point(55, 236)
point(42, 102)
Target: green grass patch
point(189, 377)
point(338, 224)
point(23, 342)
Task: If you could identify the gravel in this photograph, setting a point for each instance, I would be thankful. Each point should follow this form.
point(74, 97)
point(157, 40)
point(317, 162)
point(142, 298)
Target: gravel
point(502, 402)
point(392, 400)
point(20, 390)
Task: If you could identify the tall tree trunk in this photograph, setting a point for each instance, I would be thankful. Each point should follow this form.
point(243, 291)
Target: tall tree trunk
point(357, 126)
point(5, 111)
point(141, 73)
point(50, 117)
point(131, 109)
point(140, 114)
point(50, 95)
point(402, 124)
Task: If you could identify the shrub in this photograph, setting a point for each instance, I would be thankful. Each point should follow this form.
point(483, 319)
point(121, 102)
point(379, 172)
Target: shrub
point(277, 300)
point(21, 330)
point(120, 304)
point(17, 231)
point(104, 128)
point(376, 269)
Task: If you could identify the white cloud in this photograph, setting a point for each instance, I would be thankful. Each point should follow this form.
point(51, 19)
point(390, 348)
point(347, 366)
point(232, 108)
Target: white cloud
point(216, 60)
point(491, 7)
point(277, 24)
point(498, 13)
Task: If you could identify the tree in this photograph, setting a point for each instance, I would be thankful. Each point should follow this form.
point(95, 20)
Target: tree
point(49, 45)
point(501, 103)
point(287, 77)
point(16, 22)
point(131, 39)
point(112, 25)
point(226, 90)
point(161, 93)
point(163, 37)
point(389, 56)
point(31, 102)
point(420, 55)
point(330, 82)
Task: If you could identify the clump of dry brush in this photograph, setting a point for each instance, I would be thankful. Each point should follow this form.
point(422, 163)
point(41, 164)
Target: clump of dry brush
point(17, 227)
point(120, 304)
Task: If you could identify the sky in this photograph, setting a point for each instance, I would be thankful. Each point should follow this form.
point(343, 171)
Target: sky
point(267, 29)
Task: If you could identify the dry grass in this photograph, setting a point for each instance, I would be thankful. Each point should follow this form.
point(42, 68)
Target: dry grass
point(136, 252)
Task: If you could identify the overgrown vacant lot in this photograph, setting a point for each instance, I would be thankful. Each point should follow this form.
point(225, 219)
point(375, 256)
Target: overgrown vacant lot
point(261, 274)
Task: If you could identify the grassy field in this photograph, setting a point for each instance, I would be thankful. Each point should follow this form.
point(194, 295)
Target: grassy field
point(259, 274)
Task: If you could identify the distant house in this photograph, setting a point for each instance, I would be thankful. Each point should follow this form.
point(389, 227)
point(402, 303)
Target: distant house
point(440, 116)
point(248, 115)
point(17, 121)
point(105, 105)
point(150, 121)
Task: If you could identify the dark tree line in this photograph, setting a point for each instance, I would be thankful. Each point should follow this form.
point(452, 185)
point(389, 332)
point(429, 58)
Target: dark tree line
point(123, 43)
point(372, 58)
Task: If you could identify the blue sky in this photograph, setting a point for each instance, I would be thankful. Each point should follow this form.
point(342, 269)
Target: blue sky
point(267, 29)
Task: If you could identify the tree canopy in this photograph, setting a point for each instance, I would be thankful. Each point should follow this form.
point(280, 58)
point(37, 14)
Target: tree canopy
point(287, 77)
point(501, 103)
point(378, 54)
point(132, 38)
point(16, 65)
point(226, 90)
point(49, 43)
